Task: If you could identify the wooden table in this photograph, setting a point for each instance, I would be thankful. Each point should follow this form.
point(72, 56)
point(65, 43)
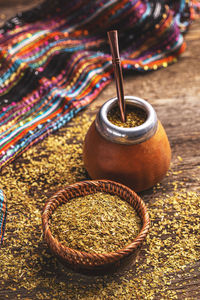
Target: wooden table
point(175, 94)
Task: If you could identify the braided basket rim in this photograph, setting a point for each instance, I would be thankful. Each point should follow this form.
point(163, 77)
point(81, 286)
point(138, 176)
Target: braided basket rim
point(86, 259)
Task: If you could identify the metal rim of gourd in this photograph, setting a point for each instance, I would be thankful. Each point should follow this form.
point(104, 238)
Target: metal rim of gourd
point(120, 135)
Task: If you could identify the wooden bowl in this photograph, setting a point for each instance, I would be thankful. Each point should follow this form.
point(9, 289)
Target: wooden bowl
point(138, 166)
point(93, 263)
point(138, 157)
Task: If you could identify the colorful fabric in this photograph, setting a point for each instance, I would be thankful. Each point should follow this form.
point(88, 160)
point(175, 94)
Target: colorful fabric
point(3, 212)
point(55, 59)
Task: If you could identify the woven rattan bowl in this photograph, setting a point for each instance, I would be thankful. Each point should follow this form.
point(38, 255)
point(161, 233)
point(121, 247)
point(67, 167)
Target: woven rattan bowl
point(92, 263)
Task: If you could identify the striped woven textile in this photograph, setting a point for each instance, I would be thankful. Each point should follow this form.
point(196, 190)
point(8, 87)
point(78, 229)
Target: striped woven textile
point(3, 212)
point(55, 59)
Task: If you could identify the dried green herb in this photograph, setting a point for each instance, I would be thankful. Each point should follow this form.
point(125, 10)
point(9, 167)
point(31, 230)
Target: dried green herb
point(170, 256)
point(135, 116)
point(97, 223)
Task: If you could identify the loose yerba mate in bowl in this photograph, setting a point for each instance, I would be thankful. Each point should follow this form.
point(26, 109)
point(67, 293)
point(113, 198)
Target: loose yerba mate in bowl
point(135, 153)
point(95, 227)
point(135, 116)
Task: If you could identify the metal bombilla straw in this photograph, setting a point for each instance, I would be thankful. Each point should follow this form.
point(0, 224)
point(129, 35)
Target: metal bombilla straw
point(113, 41)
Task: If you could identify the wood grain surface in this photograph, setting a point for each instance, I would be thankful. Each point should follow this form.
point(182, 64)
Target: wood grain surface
point(175, 94)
